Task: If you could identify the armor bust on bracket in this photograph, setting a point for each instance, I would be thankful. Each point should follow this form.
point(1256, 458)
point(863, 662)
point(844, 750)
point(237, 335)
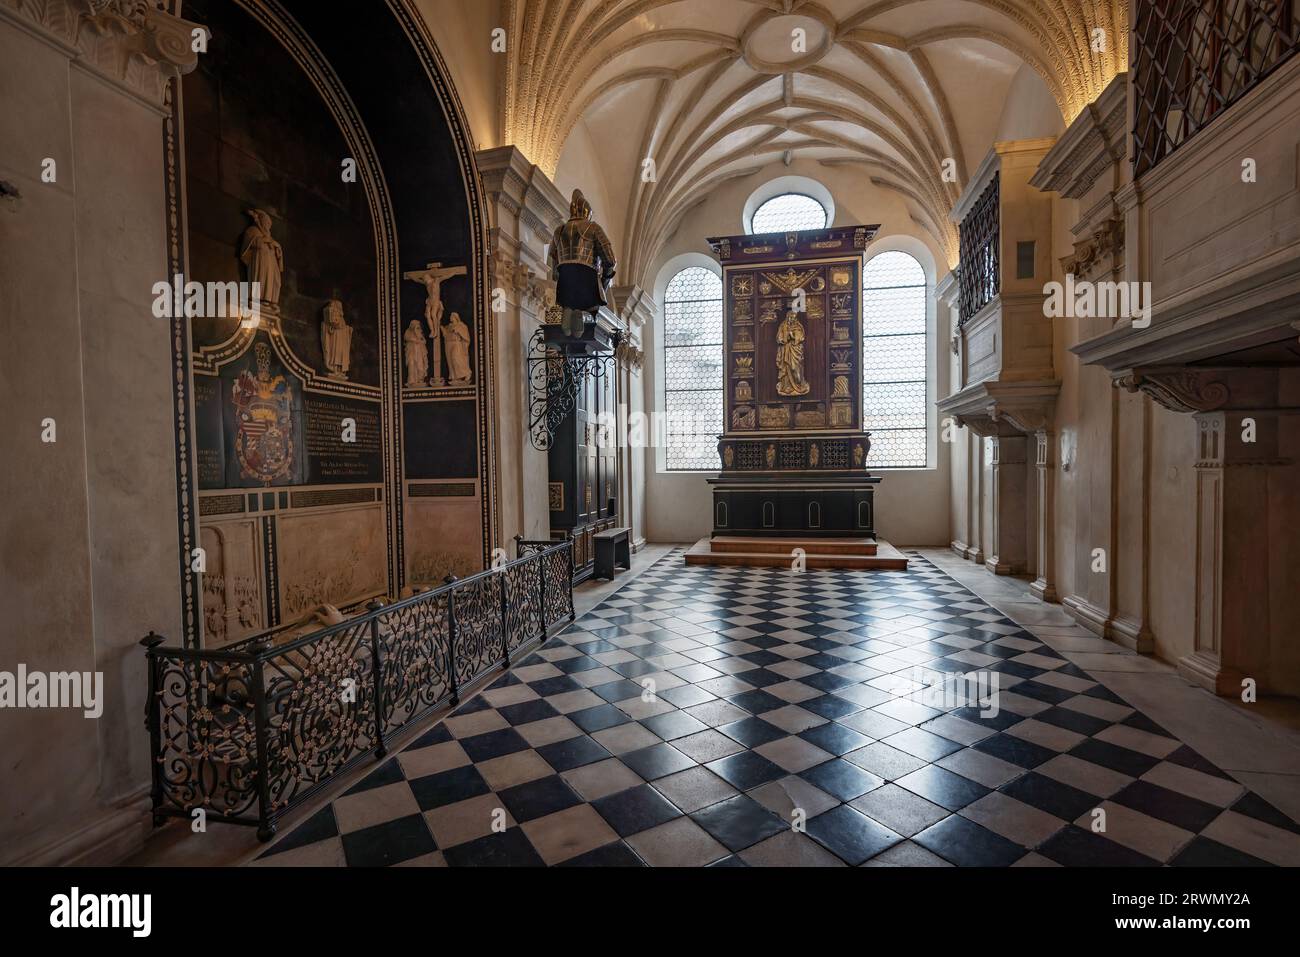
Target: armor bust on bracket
point(582, 264)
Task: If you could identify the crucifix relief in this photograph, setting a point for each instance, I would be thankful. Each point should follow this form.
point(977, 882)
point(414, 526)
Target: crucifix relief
point(432, 277)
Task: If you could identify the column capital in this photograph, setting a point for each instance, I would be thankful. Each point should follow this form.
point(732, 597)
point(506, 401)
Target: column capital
point(509, 274)
point(948, 290)
point(636, 309)
point(1219, 442)
point(134, 44)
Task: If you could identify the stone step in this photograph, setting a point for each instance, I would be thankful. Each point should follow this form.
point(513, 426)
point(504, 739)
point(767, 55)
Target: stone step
point(886, 558)
point(783, 546)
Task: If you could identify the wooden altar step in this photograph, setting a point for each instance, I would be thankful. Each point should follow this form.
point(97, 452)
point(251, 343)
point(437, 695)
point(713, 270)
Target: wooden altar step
point(854, 553)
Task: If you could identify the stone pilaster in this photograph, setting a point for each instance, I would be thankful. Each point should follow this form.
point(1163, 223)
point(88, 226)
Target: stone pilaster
point(1233, 528)
point(636, 309)
point(1009, 415)
point(82, 91)
point(1245, 578)
point(524, 208)
point(1008, 491)
point(1044, 586)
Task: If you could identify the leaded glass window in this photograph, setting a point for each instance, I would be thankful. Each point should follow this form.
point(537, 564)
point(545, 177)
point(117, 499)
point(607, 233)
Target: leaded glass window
point(894, 339)
point(693, 369)
point(780, 214)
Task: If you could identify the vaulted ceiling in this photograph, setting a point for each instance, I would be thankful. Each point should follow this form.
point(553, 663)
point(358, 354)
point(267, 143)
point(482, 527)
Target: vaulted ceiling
point(710, 90)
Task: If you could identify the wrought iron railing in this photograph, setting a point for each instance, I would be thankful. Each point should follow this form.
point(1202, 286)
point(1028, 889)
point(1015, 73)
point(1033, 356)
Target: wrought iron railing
point(250, 731)
point(1192, 59)
point(978, 278)
point(524, 546)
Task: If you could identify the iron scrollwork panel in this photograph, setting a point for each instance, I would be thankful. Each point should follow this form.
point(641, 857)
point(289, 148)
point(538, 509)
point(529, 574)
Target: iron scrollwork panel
point(207, 754)
point(318, 693)
point(554, 380)
point(478, 627)
point(320, 699)
point(523, 603)
point(413, 641)
point(559, 590)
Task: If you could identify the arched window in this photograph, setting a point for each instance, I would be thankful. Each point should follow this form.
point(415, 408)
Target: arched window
point(894, 352)
point(693, 369)
point(789, 211)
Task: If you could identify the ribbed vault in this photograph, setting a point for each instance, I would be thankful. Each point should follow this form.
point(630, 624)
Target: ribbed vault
point(709, 90)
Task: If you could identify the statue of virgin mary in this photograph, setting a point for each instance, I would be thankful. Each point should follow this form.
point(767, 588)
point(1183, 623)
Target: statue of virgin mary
point(789, 357)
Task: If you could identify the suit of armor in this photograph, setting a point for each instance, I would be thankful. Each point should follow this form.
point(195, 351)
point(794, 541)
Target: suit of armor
point(582, 264)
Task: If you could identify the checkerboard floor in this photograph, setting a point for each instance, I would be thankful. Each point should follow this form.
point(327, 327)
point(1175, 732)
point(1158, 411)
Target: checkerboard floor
point(784, 729)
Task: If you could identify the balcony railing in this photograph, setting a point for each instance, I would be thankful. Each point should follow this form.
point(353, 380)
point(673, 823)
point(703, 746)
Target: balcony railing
point(252, 730)
point(1192, 59)
point(978, 276)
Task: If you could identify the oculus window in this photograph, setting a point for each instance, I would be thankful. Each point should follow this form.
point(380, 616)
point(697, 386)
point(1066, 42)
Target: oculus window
point(789, 211)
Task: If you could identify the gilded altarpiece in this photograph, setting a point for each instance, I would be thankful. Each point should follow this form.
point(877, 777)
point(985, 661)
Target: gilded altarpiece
point(793, 383)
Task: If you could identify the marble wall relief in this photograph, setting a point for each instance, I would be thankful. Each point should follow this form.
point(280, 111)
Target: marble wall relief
point(450, 339)
point(333, 316)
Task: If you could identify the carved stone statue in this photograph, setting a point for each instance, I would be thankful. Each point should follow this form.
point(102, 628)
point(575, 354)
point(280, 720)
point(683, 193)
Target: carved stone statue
point(431, 277)
point(336, 340)
point(456, 342)
point(417, 356)
point(582, 264)
point(262, 256)
point(789, 357)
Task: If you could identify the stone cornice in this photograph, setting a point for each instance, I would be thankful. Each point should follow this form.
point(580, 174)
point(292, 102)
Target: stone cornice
point(1091, 144)
point(523, 188)
point(611, 322)
point(1207, 321)
point(979, 181)
point(132, 44)
point(1004, 408)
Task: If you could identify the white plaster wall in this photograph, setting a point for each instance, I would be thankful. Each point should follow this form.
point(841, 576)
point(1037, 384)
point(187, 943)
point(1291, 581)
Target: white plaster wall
point(45, 568)
point(89, 559)
point(581, 167)
point(913, 505)
point(463, 33)
point(1029, 110)
point(1173, 533)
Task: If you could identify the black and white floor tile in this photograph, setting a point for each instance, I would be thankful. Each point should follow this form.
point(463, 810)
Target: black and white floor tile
point(784, 728)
